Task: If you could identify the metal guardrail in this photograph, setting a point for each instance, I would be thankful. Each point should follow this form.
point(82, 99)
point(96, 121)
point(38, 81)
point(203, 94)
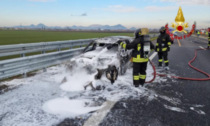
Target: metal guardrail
point(17, 66)
point(23, 65)
point(22, 49)
point(154, 35)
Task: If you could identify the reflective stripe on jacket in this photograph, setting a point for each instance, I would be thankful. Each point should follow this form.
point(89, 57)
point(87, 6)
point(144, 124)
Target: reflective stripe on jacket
point(137, 53)
point(163, 43)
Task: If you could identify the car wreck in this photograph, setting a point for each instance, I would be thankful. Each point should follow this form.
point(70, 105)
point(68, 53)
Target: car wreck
point(103, 57)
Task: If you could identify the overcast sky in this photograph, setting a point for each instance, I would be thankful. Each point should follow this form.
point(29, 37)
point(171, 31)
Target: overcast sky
point(130, 13)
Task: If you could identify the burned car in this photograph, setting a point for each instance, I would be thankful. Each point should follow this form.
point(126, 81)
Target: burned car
point(110, 43)
point(103, 59)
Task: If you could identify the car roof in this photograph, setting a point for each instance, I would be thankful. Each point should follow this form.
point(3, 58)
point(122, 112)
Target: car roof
point(112, 39)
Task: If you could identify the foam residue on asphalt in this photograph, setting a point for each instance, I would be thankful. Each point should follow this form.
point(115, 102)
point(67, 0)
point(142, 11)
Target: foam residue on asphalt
point(42, 100)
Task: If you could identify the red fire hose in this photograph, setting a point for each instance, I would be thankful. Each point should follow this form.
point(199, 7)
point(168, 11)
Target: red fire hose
point(154, 69)
point(182, 78)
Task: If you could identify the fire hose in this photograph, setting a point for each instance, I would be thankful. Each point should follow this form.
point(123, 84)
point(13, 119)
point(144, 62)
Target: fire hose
point(182, 78)
point(154, 74)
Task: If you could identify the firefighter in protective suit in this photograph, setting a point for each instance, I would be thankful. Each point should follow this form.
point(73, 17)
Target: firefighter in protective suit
point(163, 47)
point(141, 46)
point(209, 40)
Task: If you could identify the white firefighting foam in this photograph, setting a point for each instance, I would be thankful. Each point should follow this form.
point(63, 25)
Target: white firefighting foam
point(42, 99)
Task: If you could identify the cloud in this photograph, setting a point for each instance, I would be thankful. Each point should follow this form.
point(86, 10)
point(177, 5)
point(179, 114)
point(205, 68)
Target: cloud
point(81, 15)
point(206, 21)
point(41, 0)
point(158, 8)
point(121, 9)
point(84, 14)
point(189, 2)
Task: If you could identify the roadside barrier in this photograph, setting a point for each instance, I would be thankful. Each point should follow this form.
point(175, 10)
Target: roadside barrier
point(25, 64)
point(22, 49)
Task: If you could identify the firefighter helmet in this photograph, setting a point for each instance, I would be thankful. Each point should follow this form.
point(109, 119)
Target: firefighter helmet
point(137, 33)
point(140, 32)
point(162, 30)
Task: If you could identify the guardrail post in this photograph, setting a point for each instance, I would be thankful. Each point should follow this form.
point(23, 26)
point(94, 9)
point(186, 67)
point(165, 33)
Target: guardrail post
point(23, 55)
point(59, 48)
point(44, 69)
point(25, 75)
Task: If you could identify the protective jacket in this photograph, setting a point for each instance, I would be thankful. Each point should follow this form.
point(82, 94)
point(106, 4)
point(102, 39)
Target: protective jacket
point(163, 43)
point(209, 40)
point(209, 37)
point(138, 49)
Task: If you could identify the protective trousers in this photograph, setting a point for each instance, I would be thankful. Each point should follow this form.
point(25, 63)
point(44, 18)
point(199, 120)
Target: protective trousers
point(139, 73)
point(163, 56)
point(209, 40)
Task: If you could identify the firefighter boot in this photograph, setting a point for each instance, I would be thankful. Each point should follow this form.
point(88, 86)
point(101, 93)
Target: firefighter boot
point(160, 64)
point(142, 82)
point(166, 66)
point(136, 82)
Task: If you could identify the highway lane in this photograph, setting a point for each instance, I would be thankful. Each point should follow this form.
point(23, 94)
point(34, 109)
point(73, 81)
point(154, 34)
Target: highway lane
point(165, 102)
point(174, 102)
point(194, 92)
point(179, 102)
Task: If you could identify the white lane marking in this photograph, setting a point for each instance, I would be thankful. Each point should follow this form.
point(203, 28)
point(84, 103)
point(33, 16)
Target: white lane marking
point(98, 116)
point(202, 47)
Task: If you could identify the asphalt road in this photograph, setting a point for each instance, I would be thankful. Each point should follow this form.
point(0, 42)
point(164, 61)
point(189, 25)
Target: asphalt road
point(192, 97)
point(176, 103)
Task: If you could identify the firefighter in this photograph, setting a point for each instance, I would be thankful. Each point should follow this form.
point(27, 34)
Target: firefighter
point(163, 47)
point(198, 33)
point(207, 33)
point(209, 40)
point(141, 46)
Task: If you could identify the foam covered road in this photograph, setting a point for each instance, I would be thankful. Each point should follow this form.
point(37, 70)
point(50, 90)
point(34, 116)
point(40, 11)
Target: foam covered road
point(165, 102)
point(177, 102)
